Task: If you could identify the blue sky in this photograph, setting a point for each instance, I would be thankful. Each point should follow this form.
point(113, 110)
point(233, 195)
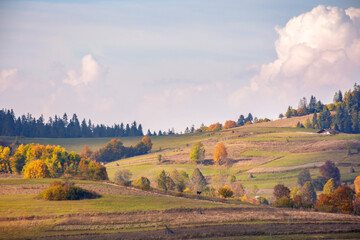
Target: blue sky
point(174, 63)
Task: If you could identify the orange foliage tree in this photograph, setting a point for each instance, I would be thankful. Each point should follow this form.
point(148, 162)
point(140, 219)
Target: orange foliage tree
point(214, 127)
point(338, 201)
point(147, 141)
point(37, 169)
point(220, 153)
point(229, 124)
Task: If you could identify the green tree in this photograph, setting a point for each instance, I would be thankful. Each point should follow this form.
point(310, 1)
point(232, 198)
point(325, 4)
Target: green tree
point(303, 177)
point(197, 152)
point(165, 182)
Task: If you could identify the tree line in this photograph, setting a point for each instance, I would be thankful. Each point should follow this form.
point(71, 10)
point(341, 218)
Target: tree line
point(61, 127)
point(345, 116)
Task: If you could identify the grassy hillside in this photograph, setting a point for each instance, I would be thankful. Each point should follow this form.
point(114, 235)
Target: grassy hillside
point(271, 153)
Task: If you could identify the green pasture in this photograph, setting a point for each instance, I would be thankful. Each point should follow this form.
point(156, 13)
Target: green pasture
point(20, 205)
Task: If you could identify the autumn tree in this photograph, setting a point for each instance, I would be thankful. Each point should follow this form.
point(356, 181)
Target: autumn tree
point(229, 124)
point(214, 127)
point(220, 153)
point(5, 160)
point(341, 200)
point(280, 191)
point(357, 184)
point(329, 170)
point(198, 180)
point(147, 141)
point(36, 169)
point(197, 152)
point(330, 186)
point(86, 153)
point(308, 193)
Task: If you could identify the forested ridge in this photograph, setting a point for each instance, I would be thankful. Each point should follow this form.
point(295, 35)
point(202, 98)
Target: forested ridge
point(61, 127)
point(345, 117)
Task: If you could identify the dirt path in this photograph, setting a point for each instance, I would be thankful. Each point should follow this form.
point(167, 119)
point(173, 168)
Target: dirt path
point(218, 231)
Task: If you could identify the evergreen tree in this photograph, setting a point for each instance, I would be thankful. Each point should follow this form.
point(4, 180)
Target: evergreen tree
point(315, 123)
point(241, 120)
point(325, 118)
point(312, 104)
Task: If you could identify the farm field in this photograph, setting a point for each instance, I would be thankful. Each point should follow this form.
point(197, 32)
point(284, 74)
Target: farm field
point(131, 213)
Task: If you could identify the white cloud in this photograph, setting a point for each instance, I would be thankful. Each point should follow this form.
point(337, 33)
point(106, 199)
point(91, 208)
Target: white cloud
point(90, 71)
point(6, 76)
point(316, 51)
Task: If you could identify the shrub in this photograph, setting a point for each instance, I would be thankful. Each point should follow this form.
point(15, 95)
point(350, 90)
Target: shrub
point(283, 202)
point(37, 169)
point(66, 191)
point(123, 177)
point(225, 192)
point(143, 183)
point(263, 201)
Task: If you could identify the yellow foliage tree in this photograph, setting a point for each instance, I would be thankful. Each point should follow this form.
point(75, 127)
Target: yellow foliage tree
point(5, 159)
point(220, 153)
point(36, 169)
point(357, 184)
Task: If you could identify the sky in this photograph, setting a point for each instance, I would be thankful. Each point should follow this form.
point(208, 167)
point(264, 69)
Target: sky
point(172, 64)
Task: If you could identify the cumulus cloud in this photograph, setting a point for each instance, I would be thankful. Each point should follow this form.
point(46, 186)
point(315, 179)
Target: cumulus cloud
point(316, 50)
point(89, 72)
point(6, 76)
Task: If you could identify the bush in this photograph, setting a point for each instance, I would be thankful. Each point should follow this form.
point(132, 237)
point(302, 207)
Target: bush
point(37, 169)
point(143, 183)
point(263, 201)
point(123, 177)
point(226, 192)
point(66, 191)
point(283, 202)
